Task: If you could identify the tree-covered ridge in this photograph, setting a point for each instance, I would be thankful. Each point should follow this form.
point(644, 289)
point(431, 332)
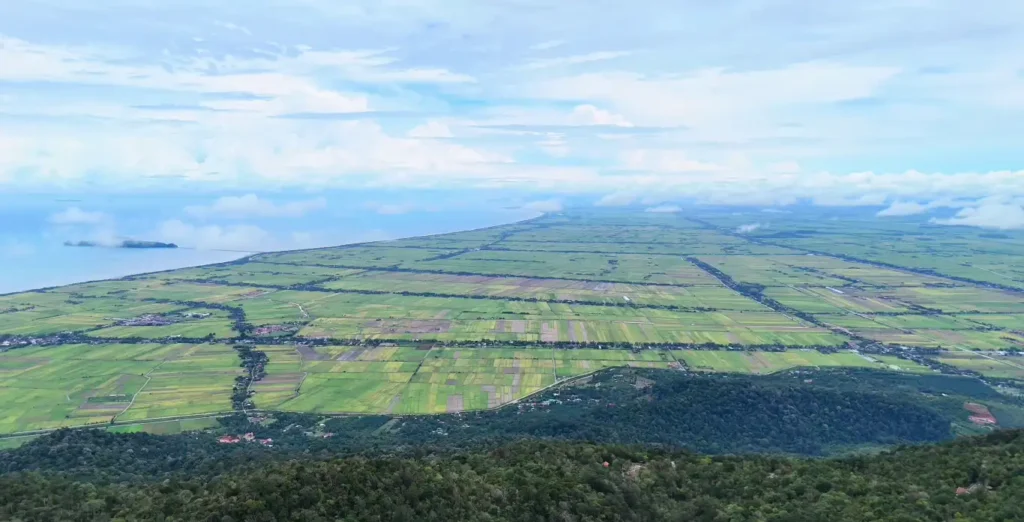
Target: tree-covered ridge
point(833, 413)
point(544, 459)
point(538, 480)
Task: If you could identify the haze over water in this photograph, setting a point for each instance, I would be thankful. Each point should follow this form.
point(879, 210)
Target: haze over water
point(33, 255)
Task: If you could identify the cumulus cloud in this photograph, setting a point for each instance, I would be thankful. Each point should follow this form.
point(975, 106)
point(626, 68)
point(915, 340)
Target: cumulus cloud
point(245, 238)
point(590, 115)
point(545, 206)
point(77, 216)
point(277, 108)
point(1002, 216)
point(716, 97)
point(664, 209)
point(252, 206)
point(903, 208)
point(431, 130)
point(748, 228)
point(616, 199)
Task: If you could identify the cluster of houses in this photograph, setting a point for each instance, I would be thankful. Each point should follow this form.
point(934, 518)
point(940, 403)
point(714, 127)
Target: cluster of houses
point(159, 320)
point(45, 340)
point(248, 437)
point(547, 403)
point(145, 320)
point(273, 329)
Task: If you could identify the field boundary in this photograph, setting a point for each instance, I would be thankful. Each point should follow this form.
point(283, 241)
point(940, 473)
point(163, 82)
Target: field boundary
point(217, 415)
point(154, 420)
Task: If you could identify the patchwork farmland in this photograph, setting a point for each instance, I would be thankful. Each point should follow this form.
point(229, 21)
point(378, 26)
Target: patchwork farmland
point(476, 319)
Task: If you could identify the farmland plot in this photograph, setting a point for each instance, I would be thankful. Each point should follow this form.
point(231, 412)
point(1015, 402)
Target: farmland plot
point(75, 385)
point(771, 362)
point(711, 295)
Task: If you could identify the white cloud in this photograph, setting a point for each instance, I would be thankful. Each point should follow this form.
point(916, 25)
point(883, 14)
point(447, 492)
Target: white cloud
point(590, 115)
point(77, 216)
point(565, 61)
point(304, 99)
point(748, 228)
point(708, 98)
point(248, 153)
point(278, 92)
point(252, 206)
point(665, 161)
point(246, 238)
point(545, 206)
point(1002, 216)
point(431, 129)
point(785, 167)
point(862, 200)
point(664, 209)
point(903, 208)
point(281, 84)
point(233, 27)
point(554, 144)
point(203, 96)
point(616, 199)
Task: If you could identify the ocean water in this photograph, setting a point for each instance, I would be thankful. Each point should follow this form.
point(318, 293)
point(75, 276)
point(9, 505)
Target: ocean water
point(32, 254)
point(46, 265)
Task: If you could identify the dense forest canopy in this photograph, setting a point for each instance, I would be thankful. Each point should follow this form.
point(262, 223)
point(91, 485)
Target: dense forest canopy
point(544, 459)
point(791, 413)
point(970, 479)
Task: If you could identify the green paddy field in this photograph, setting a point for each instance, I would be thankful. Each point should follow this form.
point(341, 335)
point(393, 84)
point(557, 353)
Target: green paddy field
point(476, 319)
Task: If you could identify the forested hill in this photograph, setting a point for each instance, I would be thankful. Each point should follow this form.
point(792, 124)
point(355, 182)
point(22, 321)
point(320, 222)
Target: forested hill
point(970, 479)
point(544, 459)
point(793, 413)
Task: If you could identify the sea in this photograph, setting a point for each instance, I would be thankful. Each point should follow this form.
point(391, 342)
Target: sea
point(33, 230)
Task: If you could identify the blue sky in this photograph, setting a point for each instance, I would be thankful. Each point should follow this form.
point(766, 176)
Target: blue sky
point(764, 102)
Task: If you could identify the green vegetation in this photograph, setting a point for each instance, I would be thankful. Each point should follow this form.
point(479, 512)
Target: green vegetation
point(82, 384)
point(819, 413)
point(770, 362)
point(528, 462)
point(548, 481)
point(988, 365)
point(374, 328)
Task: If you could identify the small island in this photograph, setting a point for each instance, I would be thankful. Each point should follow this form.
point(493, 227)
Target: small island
point(128, 243)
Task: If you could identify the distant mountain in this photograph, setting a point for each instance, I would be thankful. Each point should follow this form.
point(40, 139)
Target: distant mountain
point(129, 243)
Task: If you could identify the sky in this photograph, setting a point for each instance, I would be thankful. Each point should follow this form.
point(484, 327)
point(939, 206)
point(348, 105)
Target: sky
point(908, 105)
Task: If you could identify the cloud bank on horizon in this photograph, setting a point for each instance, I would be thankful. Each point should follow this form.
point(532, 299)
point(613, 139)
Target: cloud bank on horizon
point(902, 103)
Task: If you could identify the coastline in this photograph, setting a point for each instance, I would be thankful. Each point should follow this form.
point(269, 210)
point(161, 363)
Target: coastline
point(245, 256)
point(130, 274)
